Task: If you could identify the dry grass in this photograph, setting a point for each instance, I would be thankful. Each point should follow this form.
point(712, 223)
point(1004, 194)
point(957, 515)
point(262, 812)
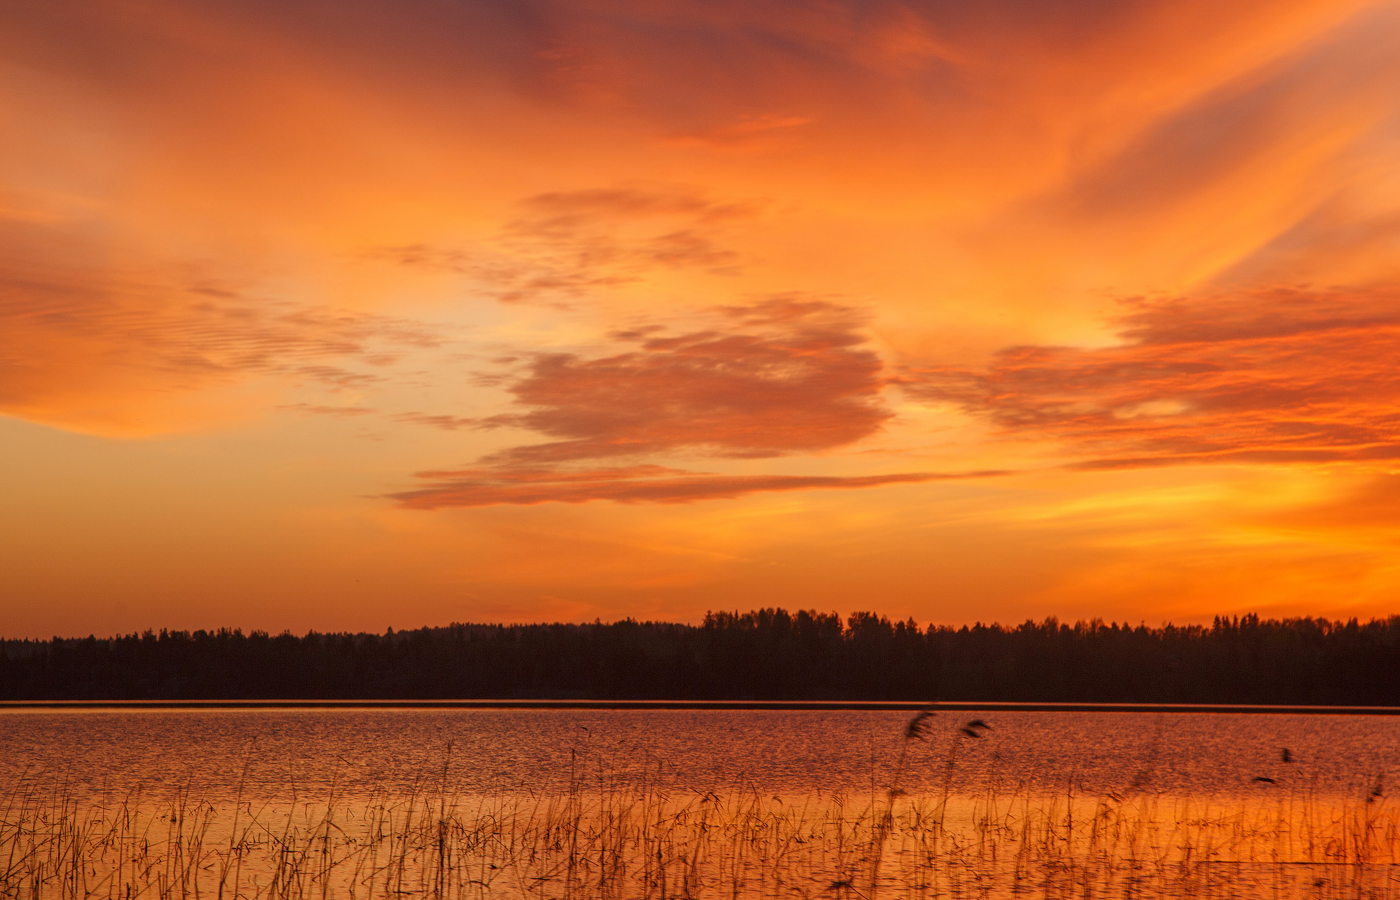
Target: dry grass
point(650, 844)
point(602, 840)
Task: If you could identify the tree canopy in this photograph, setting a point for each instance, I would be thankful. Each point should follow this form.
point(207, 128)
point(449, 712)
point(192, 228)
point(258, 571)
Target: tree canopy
point(766, 654)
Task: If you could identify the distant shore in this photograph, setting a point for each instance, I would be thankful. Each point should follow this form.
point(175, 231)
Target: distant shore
point(763, 659)
point(816, 705)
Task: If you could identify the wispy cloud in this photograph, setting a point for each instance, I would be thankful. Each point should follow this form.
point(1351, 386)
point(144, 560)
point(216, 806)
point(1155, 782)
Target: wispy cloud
point(563, 245)
point(81, 342)
point(630, 484)
point(343, 412)
point(445, 422)
point(1276, 376)
point(749, 134)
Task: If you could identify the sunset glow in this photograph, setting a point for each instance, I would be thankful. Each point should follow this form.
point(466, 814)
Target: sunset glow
point(356, 315)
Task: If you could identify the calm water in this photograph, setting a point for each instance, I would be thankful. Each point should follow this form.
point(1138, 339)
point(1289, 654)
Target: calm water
point(360, 753)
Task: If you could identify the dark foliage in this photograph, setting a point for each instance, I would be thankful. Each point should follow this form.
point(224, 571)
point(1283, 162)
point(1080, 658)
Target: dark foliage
point(768, 654)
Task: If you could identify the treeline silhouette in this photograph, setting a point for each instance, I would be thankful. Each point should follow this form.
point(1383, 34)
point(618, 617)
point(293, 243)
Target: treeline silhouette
point(767, 654)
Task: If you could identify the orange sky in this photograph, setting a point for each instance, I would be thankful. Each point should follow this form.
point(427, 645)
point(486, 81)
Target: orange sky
point(356, 315)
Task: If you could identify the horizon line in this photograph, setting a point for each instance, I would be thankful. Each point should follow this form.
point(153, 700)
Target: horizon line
point(733, 705)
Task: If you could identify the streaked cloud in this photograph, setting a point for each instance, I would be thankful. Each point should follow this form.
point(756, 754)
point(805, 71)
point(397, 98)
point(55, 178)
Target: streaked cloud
point(630, 484)
point(95, 345)
point(750, 134)
point(438, 420)
point(1282, 376)
point(344, 412)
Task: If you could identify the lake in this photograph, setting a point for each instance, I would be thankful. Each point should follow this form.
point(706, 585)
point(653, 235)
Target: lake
point(493, 751)
point(695, 802)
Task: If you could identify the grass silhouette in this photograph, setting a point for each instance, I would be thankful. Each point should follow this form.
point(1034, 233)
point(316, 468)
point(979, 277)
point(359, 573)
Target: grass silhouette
point(601, 839)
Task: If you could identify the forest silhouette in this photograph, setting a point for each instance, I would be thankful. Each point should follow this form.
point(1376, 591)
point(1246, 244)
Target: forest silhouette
point(767, 654)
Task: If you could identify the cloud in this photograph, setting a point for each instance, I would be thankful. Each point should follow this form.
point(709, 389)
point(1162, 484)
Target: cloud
point(445, 422)
point(630, 484)
point(563, 245)
point(343, 412)
point(1369, 506)
point(1279, 376)
point(98, 345)
point(787, 375)
point(749, 134)
point(563, 213)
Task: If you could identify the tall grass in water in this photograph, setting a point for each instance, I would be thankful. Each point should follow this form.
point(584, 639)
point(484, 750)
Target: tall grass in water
point(595, 839)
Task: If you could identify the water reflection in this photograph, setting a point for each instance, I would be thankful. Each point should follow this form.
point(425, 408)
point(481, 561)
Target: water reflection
point(642, 803)
point(368, 752)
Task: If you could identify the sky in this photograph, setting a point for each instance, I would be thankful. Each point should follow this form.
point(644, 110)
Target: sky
point(356, 315)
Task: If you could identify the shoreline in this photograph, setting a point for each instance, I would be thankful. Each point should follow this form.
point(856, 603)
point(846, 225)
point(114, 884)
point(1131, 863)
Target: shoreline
point(727, 705)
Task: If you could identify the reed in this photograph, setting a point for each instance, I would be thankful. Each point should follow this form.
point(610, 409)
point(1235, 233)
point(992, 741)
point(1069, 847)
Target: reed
point(598, 839)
